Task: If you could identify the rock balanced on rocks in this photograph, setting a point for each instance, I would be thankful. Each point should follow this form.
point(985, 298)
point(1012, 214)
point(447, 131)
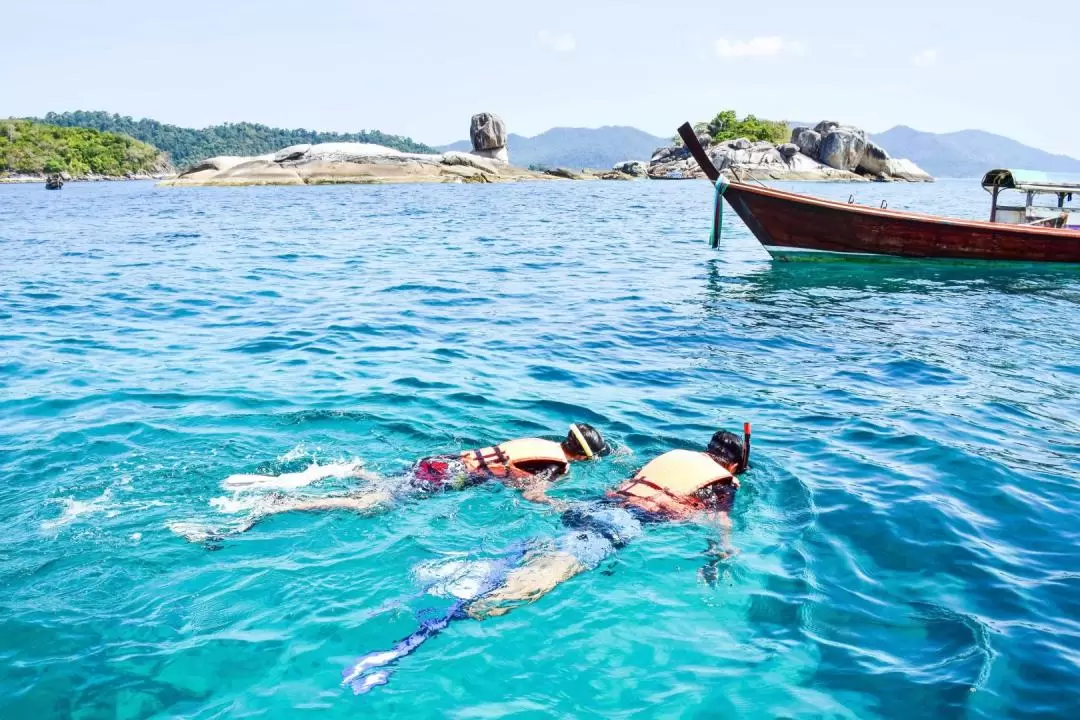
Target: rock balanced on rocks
point(488, 134)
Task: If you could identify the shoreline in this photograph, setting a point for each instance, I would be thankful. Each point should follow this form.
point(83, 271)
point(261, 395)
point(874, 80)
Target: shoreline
point(29, 179)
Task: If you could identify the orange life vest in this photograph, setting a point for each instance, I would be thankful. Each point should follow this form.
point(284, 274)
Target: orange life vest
point(504, 460)
point(667, 484)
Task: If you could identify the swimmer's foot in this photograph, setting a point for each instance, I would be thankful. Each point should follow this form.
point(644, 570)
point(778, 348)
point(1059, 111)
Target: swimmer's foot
point(290, 481)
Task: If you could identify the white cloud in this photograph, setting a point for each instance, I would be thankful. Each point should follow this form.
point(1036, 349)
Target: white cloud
point(559, 42)
point(926, 58)
point(758, 47)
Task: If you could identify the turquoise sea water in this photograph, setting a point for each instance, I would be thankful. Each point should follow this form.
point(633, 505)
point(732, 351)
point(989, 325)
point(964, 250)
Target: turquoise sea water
point(909, 531)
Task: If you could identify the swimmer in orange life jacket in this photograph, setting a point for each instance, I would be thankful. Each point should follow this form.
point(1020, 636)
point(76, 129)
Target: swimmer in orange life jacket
point(531, 465)
point(678, 485)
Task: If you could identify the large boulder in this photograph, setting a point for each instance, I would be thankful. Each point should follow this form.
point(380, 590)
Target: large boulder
point(632, 167)
point(788, 150)
point(487, 132)
point(759, 155)
point(825, 127)
point(293, 152)
point(220, 163)
point(469, 160)
point(906, 170)
point(842, 148)
point(807, 140)
point(875, 161)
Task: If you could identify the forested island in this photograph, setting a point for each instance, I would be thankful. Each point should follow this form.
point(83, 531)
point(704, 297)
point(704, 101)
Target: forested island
point(31, 148)
point(187, 146)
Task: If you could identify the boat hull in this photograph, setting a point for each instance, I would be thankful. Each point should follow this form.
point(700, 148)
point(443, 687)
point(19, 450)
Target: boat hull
point(800, 227)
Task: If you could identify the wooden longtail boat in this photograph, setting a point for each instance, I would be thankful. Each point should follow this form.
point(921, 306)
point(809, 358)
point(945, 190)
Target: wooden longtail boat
point(798, 227)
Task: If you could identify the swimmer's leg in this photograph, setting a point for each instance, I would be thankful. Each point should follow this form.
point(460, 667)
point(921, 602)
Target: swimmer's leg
point(369, 502)
point(288, 481)
point(526, 584)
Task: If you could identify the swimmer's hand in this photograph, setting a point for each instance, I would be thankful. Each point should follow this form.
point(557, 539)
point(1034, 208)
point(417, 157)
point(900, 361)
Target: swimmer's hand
point(714, 550)
point(710, 571)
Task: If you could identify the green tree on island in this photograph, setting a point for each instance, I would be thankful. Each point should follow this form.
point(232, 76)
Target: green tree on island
point(187, 145)
point(33, 148)
point(727, 126)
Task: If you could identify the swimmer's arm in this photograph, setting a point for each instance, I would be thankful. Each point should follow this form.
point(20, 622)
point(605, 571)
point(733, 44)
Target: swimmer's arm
point(721, 519)
point(535, 490)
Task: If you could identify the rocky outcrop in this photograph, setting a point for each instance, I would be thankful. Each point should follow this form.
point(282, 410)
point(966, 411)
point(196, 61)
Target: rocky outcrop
point(488, 134)
point(828, 151)
point(742, 160)
point(634, 168)
point(347, 163)
point(366, 163)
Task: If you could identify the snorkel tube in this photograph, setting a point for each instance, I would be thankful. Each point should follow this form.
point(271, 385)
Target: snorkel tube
point(744, 462)
point(580, 437)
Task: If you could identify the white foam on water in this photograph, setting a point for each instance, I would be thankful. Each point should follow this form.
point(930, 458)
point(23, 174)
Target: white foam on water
point(74, 509)
point(295, 454)
point(291, 481)
point(231, 504)
point(191, 531)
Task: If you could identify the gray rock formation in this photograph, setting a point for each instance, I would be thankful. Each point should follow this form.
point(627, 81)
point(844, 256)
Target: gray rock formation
point(636, 168)
point(825, 127)
point(907, 170)
point(830, 151)
point(809, 141)
point(347, 163)
point(842, 148)
point(368, 163)
point(488, 134)
point(875, 161)
point(293, 152)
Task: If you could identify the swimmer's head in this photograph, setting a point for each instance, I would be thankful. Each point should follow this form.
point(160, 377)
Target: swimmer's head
point(584, 442)
point(727, 449)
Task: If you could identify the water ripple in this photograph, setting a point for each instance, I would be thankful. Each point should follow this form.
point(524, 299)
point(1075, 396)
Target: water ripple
point(908, 530)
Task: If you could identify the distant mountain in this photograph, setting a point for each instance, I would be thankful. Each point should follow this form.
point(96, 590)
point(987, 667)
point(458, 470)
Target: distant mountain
point(969, 153)
point(188, 145)
point(598, 148)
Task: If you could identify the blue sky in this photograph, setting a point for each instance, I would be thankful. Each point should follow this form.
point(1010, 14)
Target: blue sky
point(422, 68)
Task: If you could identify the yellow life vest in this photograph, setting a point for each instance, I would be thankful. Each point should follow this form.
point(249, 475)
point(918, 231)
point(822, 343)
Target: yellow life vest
point(667, 485)
point(504, 460)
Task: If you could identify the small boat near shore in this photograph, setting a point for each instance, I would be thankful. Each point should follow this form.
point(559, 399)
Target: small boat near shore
point(792, 226)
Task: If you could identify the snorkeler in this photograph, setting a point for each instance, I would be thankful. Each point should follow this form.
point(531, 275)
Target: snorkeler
point(530, 465)
point(678, 485)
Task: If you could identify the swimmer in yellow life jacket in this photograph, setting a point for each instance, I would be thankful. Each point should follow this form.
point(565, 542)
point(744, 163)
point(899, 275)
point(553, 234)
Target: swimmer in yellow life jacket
point(530, 465)
point(678, 485)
